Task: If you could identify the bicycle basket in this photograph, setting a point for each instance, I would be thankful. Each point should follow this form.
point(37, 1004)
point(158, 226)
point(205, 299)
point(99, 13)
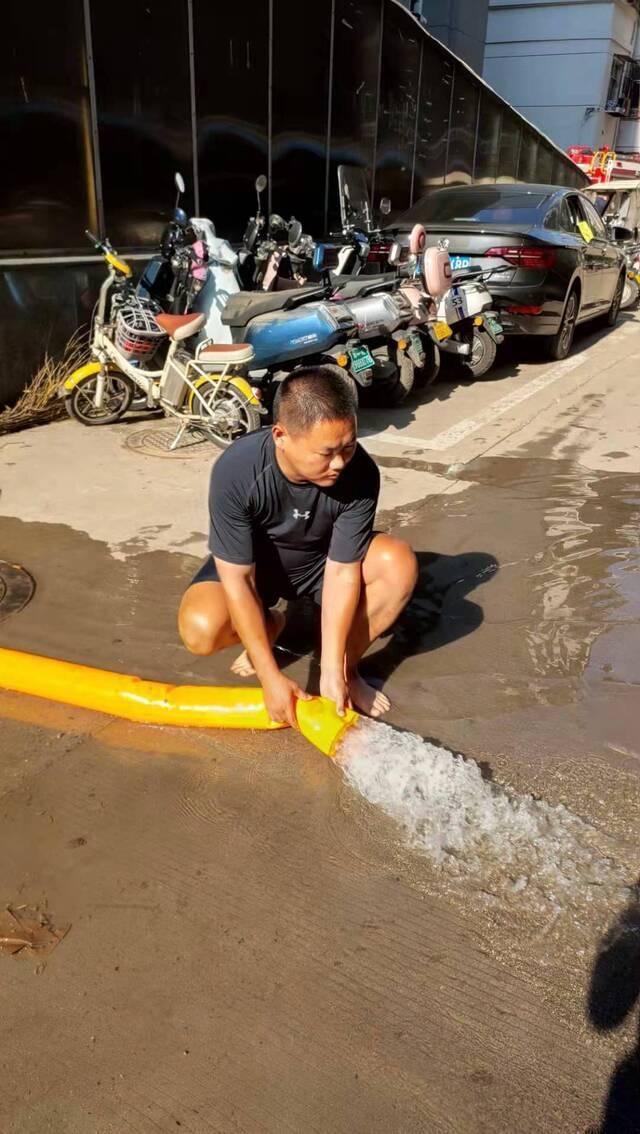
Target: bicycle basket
point(138, 336)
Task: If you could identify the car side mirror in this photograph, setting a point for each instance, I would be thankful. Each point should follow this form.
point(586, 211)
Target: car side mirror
point(395, 254)
point(385, 206)
point(620, 233)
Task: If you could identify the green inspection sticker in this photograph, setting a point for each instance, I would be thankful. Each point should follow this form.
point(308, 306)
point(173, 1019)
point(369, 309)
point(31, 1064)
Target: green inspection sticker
point(361, 359)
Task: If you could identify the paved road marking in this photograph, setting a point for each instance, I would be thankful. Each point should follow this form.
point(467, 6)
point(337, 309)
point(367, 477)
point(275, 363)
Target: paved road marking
point(456, 433)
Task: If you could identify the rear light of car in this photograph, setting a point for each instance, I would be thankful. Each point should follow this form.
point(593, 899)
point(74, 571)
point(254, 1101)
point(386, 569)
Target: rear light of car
point(524, 310)
point(529, 256)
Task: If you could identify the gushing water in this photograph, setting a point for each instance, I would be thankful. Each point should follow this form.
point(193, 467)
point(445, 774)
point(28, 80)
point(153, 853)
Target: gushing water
point(470, 826)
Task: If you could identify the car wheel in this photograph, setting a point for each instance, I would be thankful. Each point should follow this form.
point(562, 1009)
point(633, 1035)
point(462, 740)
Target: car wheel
point(611, 318)
point(559, 345)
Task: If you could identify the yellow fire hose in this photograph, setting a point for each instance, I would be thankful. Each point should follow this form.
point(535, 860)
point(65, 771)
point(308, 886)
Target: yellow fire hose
point(152, 702)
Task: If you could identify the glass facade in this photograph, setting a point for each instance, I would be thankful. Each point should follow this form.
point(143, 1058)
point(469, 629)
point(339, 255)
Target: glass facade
point(232, 108)
point(47, 188)
point(463, 128)
point(300, 111)
point(357, 30)
point(398, 103)
point(97, 114)
point(488, 138)
point(436, 88)
point(144, 113)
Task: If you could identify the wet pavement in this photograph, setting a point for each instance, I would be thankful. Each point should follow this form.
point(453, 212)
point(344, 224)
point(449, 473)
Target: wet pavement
point(256, 944)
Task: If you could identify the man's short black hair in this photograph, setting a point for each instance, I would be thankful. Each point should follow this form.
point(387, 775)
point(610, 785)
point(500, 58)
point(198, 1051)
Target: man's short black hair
point(314, 394)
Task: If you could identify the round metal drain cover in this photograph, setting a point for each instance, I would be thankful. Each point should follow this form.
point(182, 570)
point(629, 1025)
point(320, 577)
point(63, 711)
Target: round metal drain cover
point(157, 442)
point(17, 588)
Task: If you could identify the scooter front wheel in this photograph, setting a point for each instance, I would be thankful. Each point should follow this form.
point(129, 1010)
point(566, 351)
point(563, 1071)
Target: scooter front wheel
point(116, 399)
point(482, 357)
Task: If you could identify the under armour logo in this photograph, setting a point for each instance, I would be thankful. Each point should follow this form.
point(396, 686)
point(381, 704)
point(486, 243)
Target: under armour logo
point(300, 515)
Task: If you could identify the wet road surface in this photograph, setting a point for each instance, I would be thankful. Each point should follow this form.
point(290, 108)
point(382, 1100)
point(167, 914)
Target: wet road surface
point(256, 944)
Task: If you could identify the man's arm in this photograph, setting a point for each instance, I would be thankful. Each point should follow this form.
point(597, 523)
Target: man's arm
point(340, 598)
point(247, 615)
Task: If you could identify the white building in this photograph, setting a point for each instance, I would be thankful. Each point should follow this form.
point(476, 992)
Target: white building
point(572, 67)
point(460, 24)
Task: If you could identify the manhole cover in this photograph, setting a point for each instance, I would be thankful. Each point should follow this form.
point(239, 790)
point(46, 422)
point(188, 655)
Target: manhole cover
point(16, 589)
point(157, 442)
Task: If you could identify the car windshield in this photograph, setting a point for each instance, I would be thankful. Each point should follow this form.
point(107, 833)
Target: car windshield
point(487, 204)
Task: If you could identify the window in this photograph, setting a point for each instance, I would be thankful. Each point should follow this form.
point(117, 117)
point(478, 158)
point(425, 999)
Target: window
point(552, 219)
point(592, 219)
point(570, 215)
point(489, 204)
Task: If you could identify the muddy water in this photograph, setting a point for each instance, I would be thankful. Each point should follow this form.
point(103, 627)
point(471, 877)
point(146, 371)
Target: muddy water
point(497, 873)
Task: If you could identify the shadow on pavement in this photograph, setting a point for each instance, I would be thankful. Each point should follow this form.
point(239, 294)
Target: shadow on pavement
point(438, 613)
point(613, 995)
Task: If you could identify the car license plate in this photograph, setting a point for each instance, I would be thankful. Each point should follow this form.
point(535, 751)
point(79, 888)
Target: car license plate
point(493, 324)
point(442, 331)
point(361, 359)
point(459, 262)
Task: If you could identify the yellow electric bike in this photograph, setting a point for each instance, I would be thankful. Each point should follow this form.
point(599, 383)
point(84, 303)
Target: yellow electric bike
point(203, 389)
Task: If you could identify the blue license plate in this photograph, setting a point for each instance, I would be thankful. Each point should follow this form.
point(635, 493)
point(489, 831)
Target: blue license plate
point(459, 262)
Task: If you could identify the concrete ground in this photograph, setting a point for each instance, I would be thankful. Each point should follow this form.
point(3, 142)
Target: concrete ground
point(253, 946)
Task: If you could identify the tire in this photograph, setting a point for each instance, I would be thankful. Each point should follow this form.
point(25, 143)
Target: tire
point(611, 318)
point(394, 391)
point(630, 295)
point(558, 346)
point(482, 357)
point(429, 372)
point(119, 391)
point(230, 416)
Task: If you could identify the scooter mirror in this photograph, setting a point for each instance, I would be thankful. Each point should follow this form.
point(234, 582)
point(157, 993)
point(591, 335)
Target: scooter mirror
point(295, 232)
point(417, 240)
point(385, 206)
point(261, 183)
point(179, 182)
point(620, 233)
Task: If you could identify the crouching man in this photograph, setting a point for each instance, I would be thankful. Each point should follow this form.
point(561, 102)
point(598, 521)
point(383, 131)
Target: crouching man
point(292, 512)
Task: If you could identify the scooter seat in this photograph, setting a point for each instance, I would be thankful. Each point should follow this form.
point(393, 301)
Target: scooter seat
point(245, 305)
point(348, 287)
point(226, 353)
point(179, 327)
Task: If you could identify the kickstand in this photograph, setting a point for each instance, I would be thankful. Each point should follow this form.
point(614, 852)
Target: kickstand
point(179, 435)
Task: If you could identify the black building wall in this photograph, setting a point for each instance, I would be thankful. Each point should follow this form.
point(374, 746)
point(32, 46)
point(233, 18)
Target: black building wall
point(101, 102)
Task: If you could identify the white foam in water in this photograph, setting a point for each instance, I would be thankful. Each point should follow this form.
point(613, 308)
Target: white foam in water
point(467, 824)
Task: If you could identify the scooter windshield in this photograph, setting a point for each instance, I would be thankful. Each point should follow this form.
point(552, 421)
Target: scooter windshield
point(355, 207)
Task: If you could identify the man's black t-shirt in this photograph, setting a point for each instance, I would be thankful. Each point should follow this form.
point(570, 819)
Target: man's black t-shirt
point(288, 530)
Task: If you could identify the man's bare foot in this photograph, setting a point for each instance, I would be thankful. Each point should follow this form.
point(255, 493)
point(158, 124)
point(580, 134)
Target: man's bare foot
point(242, 666)
point(366, 699)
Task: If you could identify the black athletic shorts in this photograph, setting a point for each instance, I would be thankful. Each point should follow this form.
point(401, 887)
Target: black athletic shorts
point(270, 588)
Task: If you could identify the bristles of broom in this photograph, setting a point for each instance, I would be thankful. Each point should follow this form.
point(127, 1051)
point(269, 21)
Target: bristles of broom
point(39, 401)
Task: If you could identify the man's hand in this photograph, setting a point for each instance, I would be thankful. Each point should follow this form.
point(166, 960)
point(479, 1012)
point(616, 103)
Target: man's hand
point(333, 685)
point(280, 696)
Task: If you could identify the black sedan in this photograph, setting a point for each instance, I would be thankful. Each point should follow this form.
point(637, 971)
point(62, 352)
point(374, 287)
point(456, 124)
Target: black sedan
point(550, 262)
